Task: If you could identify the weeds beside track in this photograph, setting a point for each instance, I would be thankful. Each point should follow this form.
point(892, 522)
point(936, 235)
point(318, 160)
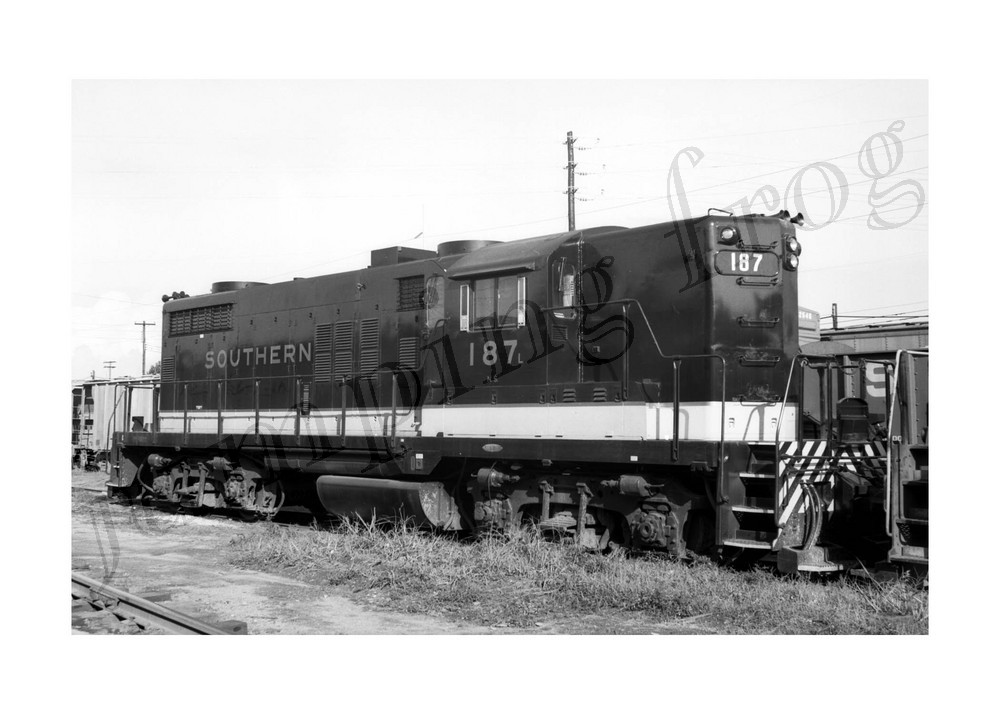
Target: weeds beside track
point(520, 579)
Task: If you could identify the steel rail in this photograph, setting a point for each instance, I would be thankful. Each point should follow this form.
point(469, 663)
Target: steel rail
point(119, 602)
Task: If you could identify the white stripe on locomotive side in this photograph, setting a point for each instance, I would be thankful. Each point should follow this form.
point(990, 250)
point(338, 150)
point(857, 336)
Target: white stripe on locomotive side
point(700, 421)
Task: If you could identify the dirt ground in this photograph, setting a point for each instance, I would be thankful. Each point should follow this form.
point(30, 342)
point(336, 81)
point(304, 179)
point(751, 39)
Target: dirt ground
point(180, 561)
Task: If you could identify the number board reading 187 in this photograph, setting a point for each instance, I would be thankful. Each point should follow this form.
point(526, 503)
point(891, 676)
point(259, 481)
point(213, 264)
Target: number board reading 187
point(731, 262)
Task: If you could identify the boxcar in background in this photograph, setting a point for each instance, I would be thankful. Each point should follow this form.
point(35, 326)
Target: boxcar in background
point(879, 374)
point(877, 345)
point(103, 406)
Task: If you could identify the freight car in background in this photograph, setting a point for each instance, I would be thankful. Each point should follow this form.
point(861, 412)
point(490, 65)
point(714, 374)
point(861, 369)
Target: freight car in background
point(809, 326)
point(881, 372)
point(102, 407)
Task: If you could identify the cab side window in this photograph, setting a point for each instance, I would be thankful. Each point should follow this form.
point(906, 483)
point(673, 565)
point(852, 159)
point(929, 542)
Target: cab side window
point(564, 282)
point(490, 302)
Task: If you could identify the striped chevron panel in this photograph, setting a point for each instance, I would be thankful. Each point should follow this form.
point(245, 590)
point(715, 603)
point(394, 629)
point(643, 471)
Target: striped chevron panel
point(819, 462)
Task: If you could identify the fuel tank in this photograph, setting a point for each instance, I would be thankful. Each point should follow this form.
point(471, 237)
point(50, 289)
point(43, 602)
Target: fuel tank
point(424, 504)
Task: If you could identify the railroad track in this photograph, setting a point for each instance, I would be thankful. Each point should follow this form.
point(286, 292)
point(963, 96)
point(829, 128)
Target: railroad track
point(92, 489)
point(146, 613)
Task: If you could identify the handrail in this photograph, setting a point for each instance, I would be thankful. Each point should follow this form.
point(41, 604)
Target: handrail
point(829, 362)
point(155, 418)
point(114, 413)
point(796, 361)
point(889, 457)
point(677, 359)
point(218, 404)
point(353, 377)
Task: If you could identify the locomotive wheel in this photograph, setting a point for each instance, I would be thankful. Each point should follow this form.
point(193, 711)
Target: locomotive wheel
point(280, 496)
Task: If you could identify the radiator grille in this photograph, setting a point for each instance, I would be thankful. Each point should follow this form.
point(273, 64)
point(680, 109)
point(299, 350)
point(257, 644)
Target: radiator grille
point(323, 359)
point(411, 293)
point(197, 320)
point(321, 368)
point(167, 369)
point(343, 353)
point(408, 352)
point(322, 336)
point(369, 345)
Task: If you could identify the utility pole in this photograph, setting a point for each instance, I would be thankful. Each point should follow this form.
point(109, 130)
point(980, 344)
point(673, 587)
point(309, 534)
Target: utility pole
point(109, 365)
point(834, 316)
point(570, 189)
point(144, 323)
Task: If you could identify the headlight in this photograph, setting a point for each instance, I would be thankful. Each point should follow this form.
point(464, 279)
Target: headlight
point(728, 235)
point(791, 261)
point(792, 245)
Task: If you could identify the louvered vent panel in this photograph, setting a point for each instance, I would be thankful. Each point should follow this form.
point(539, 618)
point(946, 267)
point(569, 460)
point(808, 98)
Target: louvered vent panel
point(343, 355)
point(167, 369)
point(197, 320)
point(321, 366)
point(323, 358)
point(408, 352)
point(323, 336)
point(369, 345)
point(560, 333)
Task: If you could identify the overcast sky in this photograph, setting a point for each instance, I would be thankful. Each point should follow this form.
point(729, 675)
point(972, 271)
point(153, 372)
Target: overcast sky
point(179, 184)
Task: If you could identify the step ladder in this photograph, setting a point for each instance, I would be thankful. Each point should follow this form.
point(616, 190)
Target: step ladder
point(750, 508)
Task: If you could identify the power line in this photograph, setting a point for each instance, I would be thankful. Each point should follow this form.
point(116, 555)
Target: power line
point(730, 183)
point(880, 211)
point(807, 193)
point(756, 133)
point(901, 313)
point(874, 317)
point(920, 319)
point(102, 297)
point(885, 307)
point(864, 262)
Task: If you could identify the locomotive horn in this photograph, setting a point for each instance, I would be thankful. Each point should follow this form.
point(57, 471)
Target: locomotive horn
point(799, 219)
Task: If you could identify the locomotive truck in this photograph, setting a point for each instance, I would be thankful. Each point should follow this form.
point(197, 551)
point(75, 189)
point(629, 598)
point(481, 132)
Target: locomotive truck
point(610, 386)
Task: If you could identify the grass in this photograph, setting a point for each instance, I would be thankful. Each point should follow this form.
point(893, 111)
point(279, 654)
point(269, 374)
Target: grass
point(520, 580)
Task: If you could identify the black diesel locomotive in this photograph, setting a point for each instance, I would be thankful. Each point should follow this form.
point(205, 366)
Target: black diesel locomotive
point(612, 386)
